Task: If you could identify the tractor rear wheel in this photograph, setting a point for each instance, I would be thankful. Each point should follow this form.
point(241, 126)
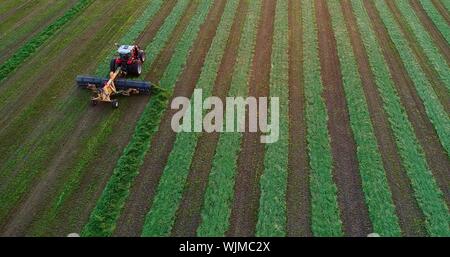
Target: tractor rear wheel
point(135, 68)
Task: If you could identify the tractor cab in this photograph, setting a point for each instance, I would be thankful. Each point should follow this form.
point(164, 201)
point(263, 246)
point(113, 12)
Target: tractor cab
point(125, 52)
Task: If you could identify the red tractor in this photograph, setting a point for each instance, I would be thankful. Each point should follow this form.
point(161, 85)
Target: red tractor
point(130, 60)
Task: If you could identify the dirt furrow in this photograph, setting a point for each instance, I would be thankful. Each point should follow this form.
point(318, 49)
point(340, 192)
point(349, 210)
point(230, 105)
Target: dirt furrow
point(354, 213)
point(442, 10)
point(297, 196)
point(407, 208)
point(251, 158)
point(132, 219)
point(189, 213)
point(432, 75)
point(435, 154)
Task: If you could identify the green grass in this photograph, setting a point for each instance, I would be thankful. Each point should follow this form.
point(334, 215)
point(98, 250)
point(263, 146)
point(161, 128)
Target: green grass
point(272, 207)
point(103, 218)
point(374, 183)
point(219, 191)
point(104, 130)
point(425, 188)
point(160, 219)
point(436, 17)
point(324, 206)
point(37, 41)
point(425, 41)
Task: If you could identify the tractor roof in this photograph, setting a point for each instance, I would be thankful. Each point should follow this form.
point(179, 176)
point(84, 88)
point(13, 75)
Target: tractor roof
point(125, 49)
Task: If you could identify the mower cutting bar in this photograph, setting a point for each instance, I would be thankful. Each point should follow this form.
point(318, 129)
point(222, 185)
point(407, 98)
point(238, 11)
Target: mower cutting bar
point(121, 84)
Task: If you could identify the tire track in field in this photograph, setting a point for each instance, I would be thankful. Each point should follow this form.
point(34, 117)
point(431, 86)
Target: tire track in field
point(144, 188)
point(354, 212)
point(407, 208)
point(189, 213)
point(442, 10)
point(434, 152)
point(122, 131)
point(440, 41)
point(250, 164)
point(425, 64)
point(298, 202)
point(39, 193)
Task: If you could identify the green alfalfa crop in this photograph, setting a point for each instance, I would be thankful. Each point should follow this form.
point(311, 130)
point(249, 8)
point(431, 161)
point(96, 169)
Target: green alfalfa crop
point(175, 173)
point(374, 182)
point(220, 189)
point(34, 43)
point(426, 191)
point(272, 203)
point(325, 216)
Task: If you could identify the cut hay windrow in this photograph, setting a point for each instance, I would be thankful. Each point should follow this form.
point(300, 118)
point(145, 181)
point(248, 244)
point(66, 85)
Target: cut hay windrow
point(105, 128)
point(272, 203)
point(434, 109)
point(220, 189)
point(437, 19)
point(324, 206)
point(34, 43)
point(160, 219)
point(377, 194)
point(425, 41)
point(426, 190)
point(103, 218)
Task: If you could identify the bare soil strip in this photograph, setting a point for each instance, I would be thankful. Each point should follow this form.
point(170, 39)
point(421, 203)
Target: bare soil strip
point(131, 221)
point(432, 75)
point(189, 213)
point(407, 209)
point(440, 41)
point(39, 193)
point(435, 154)
point(250, 163)
point(354, 213)
point(298, 203)
point(442, 10)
